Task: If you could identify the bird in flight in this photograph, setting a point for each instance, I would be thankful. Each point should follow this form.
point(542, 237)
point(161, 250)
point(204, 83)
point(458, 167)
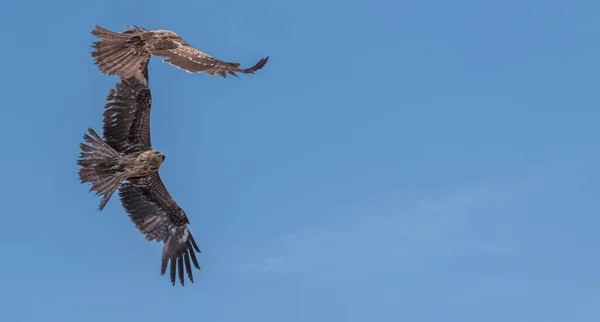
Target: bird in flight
point(125, 160)
point(124, 54)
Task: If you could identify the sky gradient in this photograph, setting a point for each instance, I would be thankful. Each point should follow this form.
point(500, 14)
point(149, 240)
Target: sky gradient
point(393, 161)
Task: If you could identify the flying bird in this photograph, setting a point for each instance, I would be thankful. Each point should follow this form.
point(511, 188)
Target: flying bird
point(124, 54)
point(125, 160)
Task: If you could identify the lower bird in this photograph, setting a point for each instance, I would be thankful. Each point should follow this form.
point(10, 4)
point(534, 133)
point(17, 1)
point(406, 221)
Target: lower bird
point(124, 54)
point(125, 160)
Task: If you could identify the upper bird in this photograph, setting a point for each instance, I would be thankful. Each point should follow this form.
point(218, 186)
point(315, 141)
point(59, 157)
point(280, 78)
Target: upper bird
point(124, 54)
point(126, 154)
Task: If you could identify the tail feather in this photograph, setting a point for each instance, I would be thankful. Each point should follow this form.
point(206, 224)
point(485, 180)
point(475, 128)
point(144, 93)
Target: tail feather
point(101, 166)
point(120, 54)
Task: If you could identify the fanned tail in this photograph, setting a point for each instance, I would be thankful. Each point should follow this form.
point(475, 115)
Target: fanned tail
point(100, 165)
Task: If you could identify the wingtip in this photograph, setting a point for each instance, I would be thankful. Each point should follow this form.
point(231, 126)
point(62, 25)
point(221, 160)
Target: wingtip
point(173, 281)
point(259, 65)
point(97, 29)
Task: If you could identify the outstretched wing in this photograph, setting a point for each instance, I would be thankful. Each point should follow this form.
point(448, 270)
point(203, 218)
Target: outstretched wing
point(126, 116)
point(121, 53)
point(192, 60)
point(154, 212)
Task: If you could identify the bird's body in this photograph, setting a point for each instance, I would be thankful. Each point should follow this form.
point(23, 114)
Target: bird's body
point(125, 53)
point(139, 164)
point(145, 164)
point(125, 160)
point(105, 166)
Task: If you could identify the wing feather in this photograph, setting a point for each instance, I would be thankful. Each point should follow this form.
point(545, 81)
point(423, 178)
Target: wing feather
point(126, 116)
point(192, 60)
point(158, 216)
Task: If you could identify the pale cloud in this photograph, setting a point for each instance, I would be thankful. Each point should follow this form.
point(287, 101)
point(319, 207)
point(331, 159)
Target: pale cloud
point(389, 234)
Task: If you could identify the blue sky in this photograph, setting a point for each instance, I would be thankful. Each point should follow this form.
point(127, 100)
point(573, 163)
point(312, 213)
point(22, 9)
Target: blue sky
point(418, 161)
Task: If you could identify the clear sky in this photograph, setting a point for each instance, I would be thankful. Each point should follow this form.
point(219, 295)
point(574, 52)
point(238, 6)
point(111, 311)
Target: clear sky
point(394, 161)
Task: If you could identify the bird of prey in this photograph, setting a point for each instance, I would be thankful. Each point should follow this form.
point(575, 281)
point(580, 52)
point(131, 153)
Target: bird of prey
point(124, 54)
point(124, 159)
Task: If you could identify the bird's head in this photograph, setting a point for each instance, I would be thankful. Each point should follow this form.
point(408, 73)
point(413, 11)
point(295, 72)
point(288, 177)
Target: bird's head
point(160, 155)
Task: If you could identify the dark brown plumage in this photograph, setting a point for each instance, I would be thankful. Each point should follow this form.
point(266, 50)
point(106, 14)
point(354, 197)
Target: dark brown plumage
point(125, 160)
point(124, 53)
